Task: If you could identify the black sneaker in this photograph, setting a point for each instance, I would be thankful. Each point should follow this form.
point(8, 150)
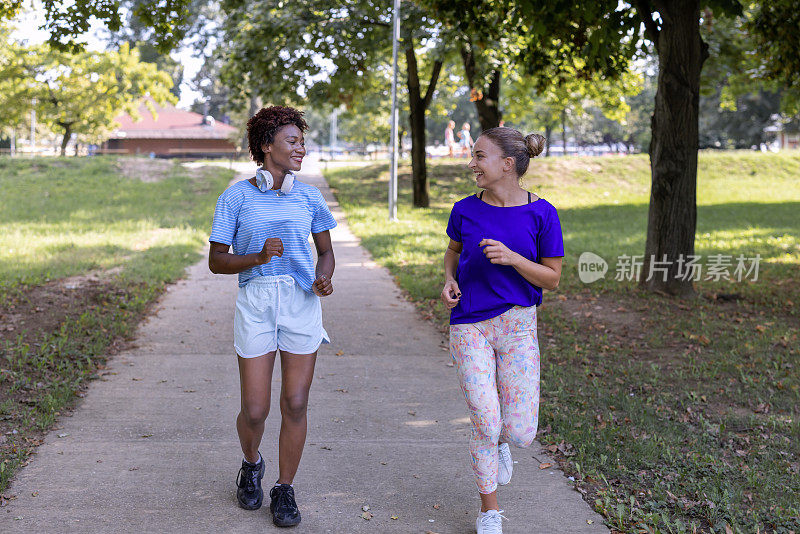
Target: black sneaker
point(283, 506)
point(250, 495)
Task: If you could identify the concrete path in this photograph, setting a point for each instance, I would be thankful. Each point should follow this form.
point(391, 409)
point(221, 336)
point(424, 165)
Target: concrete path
point(153, 448)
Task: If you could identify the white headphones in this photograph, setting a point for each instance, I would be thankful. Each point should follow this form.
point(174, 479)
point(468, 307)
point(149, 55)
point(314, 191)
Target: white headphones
point(265, 181)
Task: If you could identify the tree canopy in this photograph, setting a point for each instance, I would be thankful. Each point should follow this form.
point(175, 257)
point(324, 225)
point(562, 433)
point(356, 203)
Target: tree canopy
point(68, 21)
point(79, 93)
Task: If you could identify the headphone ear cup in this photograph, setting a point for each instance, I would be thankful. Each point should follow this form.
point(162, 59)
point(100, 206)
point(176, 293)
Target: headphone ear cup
point(288, 183)
point(264, 179)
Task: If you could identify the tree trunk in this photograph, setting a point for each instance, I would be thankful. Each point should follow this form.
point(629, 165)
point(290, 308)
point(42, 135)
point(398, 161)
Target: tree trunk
point(564, 130)
point(254, 107)
point(65, 139)
point(672, 216)
point(487, 99)
point(547, 131)
point(418, 105)
point(418, 168)
point(401, 133)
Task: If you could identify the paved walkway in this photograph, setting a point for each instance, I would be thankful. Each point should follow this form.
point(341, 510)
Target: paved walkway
point(152, 447)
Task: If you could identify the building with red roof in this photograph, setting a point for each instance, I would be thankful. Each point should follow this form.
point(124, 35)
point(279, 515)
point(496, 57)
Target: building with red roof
point(173, 133)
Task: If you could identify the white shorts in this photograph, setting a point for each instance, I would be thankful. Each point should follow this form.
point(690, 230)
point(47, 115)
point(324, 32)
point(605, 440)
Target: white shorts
point(274, 312)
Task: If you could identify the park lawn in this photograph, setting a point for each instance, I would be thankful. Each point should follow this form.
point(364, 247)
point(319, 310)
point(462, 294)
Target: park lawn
point(670, 415)
point(87, 244)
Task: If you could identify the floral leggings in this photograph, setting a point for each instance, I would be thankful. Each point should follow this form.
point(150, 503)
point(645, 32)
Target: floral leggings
point(498, 366)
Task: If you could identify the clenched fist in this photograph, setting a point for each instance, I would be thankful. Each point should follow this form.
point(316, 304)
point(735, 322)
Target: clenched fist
point(322, 286)
point(451, 294)
point(273, 246)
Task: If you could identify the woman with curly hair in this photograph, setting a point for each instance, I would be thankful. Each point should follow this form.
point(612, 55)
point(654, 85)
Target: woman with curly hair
point(266, 220)
point(505, 248)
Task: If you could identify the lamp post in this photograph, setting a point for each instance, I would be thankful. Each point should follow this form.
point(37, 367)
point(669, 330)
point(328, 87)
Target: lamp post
point(33, 125)
point(393, 172)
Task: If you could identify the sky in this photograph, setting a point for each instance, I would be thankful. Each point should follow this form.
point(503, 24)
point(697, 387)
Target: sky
point(28, 29)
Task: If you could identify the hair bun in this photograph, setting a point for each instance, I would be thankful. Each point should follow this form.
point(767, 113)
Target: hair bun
point(535, 144)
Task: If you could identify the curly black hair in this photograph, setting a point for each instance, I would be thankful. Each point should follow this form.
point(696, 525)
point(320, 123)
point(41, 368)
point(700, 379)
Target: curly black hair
point(262, 126)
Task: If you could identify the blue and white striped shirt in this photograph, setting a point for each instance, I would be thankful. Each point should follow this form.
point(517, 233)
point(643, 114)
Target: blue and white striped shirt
point(245, 217)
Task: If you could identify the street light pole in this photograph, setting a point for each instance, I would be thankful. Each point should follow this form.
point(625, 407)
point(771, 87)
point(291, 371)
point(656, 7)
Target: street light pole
point(395, 113)
point(334, 134)
point(33, 126)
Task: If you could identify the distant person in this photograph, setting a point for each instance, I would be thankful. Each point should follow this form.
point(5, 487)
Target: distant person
point(267, 219)
point(502, 123)
point(505, 247)
point(465, 139)
point(449, 139)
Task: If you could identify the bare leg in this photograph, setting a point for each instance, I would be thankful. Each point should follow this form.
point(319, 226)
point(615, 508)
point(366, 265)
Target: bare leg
point(489, 501)
point(297, 371)
point(255, 376)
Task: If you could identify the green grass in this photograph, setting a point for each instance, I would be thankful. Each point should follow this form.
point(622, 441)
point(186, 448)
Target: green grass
point(64, 217)
point(671, 415)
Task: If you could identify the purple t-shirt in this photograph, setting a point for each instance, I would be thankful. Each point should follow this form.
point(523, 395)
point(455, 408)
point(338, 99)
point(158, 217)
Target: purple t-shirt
point(487, 290)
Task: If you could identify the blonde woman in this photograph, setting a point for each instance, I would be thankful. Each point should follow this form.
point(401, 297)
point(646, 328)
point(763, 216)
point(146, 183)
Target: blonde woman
point(505, 248)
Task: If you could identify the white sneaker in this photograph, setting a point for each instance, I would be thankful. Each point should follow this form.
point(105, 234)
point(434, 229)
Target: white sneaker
point(490, 522)
point(505, 465)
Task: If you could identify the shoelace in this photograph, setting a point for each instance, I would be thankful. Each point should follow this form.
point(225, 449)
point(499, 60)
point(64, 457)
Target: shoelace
point(493, 522)
point(285, 498)
point(250, 476)
point(504, 456)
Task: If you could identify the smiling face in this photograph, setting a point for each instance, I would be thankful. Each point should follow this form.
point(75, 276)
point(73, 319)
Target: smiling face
point(286, 151)
point(488, 163)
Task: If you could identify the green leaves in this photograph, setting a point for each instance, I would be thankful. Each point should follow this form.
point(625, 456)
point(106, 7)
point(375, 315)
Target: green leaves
point(78, 92)
point(775, 27)
point(68, 21)
point(10, 8)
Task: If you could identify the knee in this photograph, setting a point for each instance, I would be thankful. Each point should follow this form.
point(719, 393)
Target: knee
point(488, 430)
point(294, 406)
point(520, 437)
point(254, 413)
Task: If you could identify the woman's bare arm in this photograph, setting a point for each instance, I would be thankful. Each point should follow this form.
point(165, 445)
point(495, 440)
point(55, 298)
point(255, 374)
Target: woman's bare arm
point(220, 261)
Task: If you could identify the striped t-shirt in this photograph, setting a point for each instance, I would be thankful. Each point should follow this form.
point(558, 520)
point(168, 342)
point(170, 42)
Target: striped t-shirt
point(245, 217)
